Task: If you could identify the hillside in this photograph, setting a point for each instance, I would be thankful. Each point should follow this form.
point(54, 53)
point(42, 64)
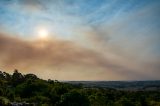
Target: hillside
point(29, 90)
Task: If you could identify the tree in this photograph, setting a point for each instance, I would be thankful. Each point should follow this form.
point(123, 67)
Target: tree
point(73, 98)
point(17, 77)
point(30, 77)
point(2, 75)
point(124, 102)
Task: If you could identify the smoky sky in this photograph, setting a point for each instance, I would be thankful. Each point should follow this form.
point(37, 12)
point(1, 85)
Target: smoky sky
point(87, 40)
point(30, 55)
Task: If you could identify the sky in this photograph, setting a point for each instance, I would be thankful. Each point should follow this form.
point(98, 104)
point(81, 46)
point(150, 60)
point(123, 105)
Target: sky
point(81, 39)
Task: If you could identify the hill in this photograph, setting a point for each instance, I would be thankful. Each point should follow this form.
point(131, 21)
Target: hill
point(29, 90)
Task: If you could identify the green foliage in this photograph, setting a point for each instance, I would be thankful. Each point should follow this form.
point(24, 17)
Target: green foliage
point(98, 99)
point(4, 101)
point(124, 102)
point(73, 98)
point(29, 88)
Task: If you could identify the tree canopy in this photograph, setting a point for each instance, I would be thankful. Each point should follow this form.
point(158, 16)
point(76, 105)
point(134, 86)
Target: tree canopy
point(30, 90)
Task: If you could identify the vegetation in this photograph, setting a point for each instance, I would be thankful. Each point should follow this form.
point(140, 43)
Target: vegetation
point(31, 90)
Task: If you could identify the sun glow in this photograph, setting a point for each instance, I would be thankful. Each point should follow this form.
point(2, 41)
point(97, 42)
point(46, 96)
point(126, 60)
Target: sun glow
point(41, 37)
point(43, 33)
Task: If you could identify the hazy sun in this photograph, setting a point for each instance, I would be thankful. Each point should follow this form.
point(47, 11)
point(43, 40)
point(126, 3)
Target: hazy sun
point(43, 33)
point(42, 36)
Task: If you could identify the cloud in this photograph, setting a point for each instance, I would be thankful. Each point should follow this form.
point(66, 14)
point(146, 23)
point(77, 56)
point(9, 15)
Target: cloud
point(130, 40)
point(49, 55)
